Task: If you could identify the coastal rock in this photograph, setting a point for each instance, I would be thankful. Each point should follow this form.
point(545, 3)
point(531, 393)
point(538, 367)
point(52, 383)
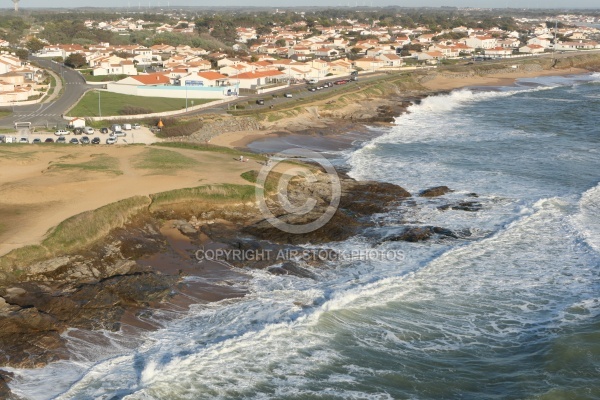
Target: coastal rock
point(5, 378)
point(420, 233)
point(30, 339)
point(185, 227)
point(471, 206)
point(340, 227)
point(48, 266)
point(369, 197)
point(291, 268)
point(435, 191)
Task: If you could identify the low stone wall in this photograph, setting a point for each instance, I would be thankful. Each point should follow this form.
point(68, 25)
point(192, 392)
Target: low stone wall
point(219, 126)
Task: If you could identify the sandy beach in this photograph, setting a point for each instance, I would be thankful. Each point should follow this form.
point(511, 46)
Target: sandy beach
point(442, 82)
point(241, 138)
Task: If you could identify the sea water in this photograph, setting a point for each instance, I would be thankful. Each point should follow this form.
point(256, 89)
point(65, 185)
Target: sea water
point(509, 309)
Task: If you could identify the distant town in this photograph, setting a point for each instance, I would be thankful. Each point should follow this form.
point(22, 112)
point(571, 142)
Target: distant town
point(219, 54)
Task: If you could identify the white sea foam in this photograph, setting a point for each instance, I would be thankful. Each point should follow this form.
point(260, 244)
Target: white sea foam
point(588, 218)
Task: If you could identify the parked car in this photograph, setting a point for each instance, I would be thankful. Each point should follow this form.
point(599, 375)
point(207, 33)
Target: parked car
point(61, 139)
point(260, 102)
point(119, 134)
point(74, 141)
point(23, 140)
point(136, 126)
point(116, 128)
point(85, 140)
point(49, 140)
point(96, 140)
point(111, 140)
point(36, 140)
point(103, 130)
point(88, 130)
point(312, 89)
point(126, 127)
point(78, 131)
point(287, 95)
point(61, 132)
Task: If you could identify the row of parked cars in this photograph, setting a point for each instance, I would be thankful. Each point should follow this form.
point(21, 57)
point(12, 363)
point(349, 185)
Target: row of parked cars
point(84, 140)
point(116, 129)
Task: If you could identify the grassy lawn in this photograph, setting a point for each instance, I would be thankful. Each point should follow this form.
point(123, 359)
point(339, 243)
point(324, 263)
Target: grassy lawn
point(16, 155)
point(208, 147)
point(113, 103)
point(98, 163)
point(160, 161)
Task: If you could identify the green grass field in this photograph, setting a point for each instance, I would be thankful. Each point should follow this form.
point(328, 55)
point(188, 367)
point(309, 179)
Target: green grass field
point(98, 163)
point(163, 161)
point(112, 104)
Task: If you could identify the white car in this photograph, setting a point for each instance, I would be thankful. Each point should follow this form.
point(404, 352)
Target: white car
point(23, 140)
point(287, 95)
point(61, 132)
point(136, 126)
point(111, 140)
point(88, 130)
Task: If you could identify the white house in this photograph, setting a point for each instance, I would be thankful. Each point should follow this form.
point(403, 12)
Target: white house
point(498, 52)
point(531, 49)
point(205, 78)
point(254, 80)
point(480, 42)
point(391, 60)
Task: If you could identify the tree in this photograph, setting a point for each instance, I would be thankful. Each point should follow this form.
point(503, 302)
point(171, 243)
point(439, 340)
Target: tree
point(280, 42)
point(75, 60)
point(263, 30)
point(34, 45)
point(22, 54)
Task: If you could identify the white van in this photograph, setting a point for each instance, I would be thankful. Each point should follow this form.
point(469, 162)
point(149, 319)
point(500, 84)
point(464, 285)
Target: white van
point(126, 127)
point(313, 80)
point(115, 128)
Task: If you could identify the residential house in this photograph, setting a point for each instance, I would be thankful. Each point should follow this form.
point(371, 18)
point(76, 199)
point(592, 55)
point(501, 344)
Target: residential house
point(391, 60)
point(257, 79)
point(480, 42)
point(205, 78)
point(531, 49)
point(156, 79)
point(369, 63)
point(498, 52)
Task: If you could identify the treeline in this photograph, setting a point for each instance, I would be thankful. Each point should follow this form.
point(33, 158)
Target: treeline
point(216, 29)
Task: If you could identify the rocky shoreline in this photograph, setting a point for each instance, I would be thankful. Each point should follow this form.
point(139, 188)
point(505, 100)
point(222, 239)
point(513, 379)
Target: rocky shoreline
point(143, 266)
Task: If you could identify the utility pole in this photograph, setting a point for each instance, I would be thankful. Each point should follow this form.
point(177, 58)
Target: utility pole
point(99, 108)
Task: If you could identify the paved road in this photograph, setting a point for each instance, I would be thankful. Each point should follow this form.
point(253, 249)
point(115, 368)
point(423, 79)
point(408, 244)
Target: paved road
point(50, 114)
point(276, 97)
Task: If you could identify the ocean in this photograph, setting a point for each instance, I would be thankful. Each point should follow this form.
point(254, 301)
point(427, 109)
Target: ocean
point(508, 309)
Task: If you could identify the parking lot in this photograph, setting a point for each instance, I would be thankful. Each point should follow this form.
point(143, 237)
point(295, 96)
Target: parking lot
point(133, 136)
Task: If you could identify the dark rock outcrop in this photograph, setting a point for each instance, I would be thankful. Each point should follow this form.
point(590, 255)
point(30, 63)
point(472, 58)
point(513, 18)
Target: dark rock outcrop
point(291, 268)
point(435, 191)
point(420, 234)
point(471, 206)
point(358, 201)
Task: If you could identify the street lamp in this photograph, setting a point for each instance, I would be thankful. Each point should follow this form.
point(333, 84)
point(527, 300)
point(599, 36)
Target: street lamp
point(99, 109)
